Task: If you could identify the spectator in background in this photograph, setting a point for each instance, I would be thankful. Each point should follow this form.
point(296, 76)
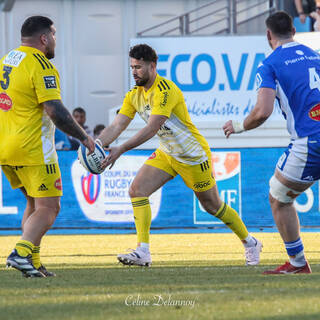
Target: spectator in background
point(80, 116)
point(61, 140)
point(299, 10)
point(304, 8)
point(316, 16)
point(97, 130)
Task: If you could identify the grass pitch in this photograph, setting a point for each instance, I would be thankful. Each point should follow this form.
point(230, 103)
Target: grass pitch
point(193, 276)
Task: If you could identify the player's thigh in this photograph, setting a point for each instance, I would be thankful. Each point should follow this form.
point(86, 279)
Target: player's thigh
point(154, 173)
point(197, 177)
point(41, 181)
point(210, 199)
point(300, 162)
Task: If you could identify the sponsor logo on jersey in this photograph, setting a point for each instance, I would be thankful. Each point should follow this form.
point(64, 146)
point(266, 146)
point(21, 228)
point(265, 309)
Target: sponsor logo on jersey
point(50, 82)
point(14, 58)
point(58, 184)
point(164, 99)
point(314, 113)
point(5, 102)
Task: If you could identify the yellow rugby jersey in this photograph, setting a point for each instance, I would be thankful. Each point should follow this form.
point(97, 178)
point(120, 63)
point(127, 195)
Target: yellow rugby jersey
point(178, 136)
point(27, 79)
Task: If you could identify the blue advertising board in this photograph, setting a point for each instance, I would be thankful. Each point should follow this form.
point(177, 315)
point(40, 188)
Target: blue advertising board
point(101, 204)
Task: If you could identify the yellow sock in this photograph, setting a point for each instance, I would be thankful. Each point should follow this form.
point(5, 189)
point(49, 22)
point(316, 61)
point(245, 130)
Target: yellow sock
point(36, 257)
point(24, 248)
point(232, 220)
point(142, 218)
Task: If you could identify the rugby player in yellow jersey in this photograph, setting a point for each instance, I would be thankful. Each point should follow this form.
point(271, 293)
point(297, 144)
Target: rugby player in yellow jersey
point(183, 150)
point(30, 106)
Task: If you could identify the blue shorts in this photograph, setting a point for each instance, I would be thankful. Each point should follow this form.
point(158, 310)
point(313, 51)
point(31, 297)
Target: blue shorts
point(301, 161)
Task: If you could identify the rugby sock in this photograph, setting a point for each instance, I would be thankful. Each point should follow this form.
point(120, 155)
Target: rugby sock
point(24, 248)
point(142, 218)
point(144, 247)
point(232, 220)
point(296, 253)
point(36, 257)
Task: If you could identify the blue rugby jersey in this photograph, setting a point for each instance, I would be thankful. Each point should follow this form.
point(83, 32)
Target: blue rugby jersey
point(293, 70)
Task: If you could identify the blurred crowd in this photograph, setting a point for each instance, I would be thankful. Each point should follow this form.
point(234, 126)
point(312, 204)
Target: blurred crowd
point(65, 142)
point(305, 14)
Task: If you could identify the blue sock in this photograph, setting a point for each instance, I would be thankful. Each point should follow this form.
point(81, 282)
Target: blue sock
point(295, 252)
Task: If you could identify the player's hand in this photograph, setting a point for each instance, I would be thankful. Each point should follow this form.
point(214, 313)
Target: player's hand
point(228, 128)
point(302, 17)
point(89, 144)
point(232, 126)
point(114, 154)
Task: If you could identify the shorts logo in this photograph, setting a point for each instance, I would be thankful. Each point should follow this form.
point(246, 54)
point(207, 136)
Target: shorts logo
point(43, 188)
point(202, 184)
point(50, 82)
point(5, 102)
point(58, 184)
point(152, 156)
point(314, 113)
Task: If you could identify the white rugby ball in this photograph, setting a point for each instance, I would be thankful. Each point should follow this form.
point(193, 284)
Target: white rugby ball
point(91, 162)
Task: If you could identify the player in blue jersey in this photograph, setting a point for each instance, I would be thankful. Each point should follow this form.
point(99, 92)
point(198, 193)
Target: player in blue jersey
point(291, 74)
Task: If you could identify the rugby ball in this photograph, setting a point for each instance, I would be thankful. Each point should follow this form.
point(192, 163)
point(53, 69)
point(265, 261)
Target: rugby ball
point(91, 162)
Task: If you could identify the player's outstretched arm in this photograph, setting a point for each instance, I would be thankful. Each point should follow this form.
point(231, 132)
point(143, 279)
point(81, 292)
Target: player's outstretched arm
point(112, 132)
point(63, 120)
point(154, 124)
point(259, 114)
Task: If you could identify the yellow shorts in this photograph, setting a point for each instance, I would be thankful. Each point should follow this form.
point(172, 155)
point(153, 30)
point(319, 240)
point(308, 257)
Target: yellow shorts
point(197, 177)
point(39, 181)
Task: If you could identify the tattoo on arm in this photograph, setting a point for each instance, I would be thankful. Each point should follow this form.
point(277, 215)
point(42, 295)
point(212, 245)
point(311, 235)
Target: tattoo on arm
point(63, 120)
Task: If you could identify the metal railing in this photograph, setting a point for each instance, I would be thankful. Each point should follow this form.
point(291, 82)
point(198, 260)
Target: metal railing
point(216, 17)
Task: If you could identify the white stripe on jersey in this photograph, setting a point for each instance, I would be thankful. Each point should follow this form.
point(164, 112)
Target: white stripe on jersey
point(285, 107)
point(47, 138)
point(180, 143)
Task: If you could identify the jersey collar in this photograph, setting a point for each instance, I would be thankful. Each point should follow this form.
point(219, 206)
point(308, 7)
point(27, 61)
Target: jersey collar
point(30, 49)
point(290, 44)
point(155, 82)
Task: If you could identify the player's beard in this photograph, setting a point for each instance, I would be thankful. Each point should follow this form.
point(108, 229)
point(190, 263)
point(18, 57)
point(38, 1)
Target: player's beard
point(142, 81)
point(50, 53)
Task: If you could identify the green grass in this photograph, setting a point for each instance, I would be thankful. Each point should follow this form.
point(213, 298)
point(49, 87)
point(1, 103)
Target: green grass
point(203, 272)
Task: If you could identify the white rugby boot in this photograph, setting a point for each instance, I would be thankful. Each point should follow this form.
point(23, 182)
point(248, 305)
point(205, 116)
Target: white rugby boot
point(136, 257)
point(252, 254)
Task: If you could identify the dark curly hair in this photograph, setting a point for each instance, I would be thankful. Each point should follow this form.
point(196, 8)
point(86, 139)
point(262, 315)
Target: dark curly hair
point(280, 23)
point(144, 52)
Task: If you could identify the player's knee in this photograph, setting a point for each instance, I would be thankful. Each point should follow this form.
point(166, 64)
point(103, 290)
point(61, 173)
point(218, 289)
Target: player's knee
point(278, 191)
point(132, 192)
point(135, 191)
point(210, 206)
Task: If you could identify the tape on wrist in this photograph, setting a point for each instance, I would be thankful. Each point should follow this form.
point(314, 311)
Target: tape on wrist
point(238, 126)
